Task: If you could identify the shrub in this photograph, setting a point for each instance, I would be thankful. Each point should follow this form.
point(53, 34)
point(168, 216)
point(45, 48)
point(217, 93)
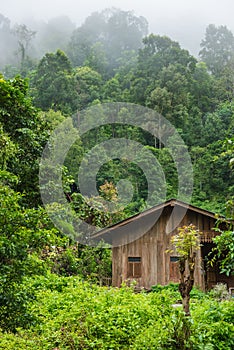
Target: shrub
point(220, 292)
point(70, 314)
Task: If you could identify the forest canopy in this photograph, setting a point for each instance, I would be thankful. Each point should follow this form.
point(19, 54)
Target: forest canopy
point(50, 73)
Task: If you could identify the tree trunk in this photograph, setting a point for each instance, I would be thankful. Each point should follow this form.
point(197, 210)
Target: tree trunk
point(186, 284)
point(185, 302)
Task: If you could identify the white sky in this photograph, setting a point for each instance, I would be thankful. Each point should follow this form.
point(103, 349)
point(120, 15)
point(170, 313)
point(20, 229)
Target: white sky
point(182, 20)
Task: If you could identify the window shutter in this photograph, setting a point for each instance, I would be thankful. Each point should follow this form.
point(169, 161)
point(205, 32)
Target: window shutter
point(134, 267)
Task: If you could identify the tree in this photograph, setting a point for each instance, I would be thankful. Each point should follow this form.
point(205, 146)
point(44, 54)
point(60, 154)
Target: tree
point(7, 42)
point(24, 37)
point(186, 243)
point(96, 59)
point(223, 252)
point(113, 32)
point(171, 96)
point(7, 149)
point(53, 85)
point(112, 90)
point(24, 233)
point(213, 180)
point(88, 86)
point(217, 49)
point(161, 77)
point(125, 32)
point(202, 88)
point(160, 51)
point(26, 129)
point(54, 35)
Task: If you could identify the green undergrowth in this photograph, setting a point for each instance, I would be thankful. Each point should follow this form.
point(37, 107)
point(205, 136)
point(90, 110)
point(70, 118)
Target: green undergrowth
point(71, 314)
point(173, 290)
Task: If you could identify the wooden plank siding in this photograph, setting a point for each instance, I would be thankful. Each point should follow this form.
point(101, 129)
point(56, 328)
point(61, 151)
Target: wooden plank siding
point(144, 238)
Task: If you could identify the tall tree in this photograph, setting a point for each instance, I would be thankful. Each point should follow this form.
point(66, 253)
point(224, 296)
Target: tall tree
point(24, 37)
point(7, 42)
point(162, 78)
point(117, 31)
point(54, 35)
point(224, 243)
point(53, 84)
point(88, 86)
point(21, 125)
point(217, 49)
point(160, 51)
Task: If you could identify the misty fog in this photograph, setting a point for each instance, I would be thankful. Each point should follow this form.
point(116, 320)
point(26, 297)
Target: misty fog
point(53, 23)
point(183, 21)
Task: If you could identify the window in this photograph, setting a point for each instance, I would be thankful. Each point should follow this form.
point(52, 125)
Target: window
point(174, 258)
point(134, 267)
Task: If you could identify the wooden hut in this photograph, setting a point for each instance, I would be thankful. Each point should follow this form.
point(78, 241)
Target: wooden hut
point(140, 245)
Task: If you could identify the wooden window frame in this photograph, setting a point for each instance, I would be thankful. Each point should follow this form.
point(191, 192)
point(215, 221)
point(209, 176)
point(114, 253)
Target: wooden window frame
point(134, 269)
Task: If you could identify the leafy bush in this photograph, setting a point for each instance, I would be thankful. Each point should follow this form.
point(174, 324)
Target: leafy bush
point(70, 314)
point(220, 292)
point(213, 324)
point(173, 290)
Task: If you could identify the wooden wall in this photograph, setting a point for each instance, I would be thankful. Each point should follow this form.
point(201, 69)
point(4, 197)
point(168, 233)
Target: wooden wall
point(156, 267)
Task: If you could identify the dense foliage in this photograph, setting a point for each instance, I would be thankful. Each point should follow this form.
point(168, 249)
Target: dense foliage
point(69, 314)
point(53, 71)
